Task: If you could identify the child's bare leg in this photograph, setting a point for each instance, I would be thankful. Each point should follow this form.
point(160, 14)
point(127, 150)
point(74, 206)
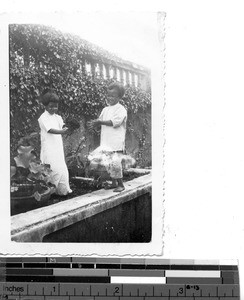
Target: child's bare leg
point(116, 172)
point(112, 185)
point(120, 182)
point(121, 186)
point(114, 182)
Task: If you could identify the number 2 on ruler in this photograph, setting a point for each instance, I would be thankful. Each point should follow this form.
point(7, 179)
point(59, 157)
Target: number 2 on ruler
point(116, 290)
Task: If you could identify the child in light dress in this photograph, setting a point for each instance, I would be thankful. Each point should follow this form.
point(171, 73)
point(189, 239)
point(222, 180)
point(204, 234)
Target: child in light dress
point(113, 129)
point(52, 151)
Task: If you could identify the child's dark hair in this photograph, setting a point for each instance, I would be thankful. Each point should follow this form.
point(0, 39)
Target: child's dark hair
point(48, 96)
point(119, 87)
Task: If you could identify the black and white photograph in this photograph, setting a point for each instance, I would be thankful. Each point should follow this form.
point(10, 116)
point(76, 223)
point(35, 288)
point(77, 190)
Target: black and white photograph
point(159, 178)
point(81, 91)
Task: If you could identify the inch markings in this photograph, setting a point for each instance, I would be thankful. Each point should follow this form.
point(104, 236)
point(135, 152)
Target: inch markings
point(126, 290)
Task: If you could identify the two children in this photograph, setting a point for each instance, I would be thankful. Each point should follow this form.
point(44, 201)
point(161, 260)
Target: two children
point(113, 128)
point(52, 151)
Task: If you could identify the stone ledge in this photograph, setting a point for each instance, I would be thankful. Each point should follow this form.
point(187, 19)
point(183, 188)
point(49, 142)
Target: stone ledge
point(32, 226)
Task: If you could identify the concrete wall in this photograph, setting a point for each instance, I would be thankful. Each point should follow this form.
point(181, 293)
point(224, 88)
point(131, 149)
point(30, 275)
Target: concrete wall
point(34, 225)
point(128, 222)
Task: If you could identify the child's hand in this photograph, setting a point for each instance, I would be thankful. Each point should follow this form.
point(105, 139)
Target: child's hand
point(66, 130)
point(92, 124)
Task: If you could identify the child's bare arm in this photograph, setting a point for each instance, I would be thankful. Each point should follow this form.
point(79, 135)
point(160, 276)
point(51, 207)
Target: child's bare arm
point(107, 123)
point(94, 123)
point(58, 131)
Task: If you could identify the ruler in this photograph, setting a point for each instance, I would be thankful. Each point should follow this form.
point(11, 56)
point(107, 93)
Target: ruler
point(84, 278)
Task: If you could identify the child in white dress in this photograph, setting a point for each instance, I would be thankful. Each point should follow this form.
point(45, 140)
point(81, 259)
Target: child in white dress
point(52, 151)
point(113, 129)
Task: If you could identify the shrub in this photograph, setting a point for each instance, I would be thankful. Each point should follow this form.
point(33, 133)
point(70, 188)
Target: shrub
point(42, 57)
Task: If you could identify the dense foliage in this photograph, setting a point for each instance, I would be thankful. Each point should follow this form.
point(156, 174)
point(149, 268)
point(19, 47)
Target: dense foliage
point(29, 177)
point(42, 57)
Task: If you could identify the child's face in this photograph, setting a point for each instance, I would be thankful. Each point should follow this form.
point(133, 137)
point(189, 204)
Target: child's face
point(113, 97)
point(52, 107)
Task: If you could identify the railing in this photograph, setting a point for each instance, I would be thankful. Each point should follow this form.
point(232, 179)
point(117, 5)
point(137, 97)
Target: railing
point(126, 73)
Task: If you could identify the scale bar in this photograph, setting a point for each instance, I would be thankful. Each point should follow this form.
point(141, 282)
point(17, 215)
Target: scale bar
point(80, 272)
point(203, 274)
point(138, 280)
point(193, 280)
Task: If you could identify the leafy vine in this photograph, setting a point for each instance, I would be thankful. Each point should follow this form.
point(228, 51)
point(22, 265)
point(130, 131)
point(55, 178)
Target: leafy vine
point(42, 57)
